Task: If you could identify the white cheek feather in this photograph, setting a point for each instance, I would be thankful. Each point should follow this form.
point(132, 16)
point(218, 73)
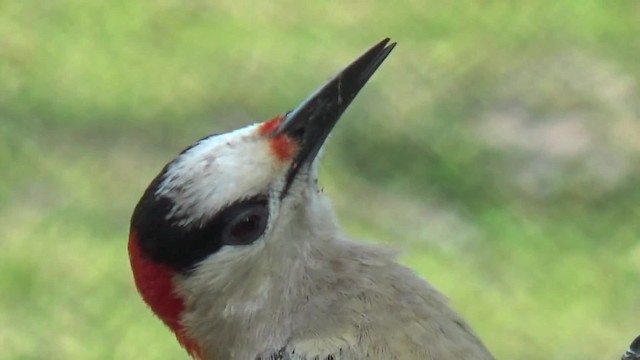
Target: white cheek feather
point(217, 172)
point(240, 288)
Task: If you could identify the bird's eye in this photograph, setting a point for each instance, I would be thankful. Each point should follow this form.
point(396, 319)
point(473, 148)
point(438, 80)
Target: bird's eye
point(247, 224)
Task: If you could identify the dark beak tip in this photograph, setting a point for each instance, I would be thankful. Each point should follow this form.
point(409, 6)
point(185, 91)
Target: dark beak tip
point(327, 104)
point(311, 122)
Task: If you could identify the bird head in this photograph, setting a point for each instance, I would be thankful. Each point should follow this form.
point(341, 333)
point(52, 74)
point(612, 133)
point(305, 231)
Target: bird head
point(214, 210)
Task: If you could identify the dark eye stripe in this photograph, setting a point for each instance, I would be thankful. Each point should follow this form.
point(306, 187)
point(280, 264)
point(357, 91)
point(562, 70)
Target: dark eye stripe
point(182, 247)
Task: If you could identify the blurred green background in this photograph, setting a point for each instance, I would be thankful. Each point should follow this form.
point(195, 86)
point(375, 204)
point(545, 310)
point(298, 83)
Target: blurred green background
point(498, 146)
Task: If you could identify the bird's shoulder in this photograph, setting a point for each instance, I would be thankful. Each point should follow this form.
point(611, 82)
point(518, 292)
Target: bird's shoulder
point(291, 356)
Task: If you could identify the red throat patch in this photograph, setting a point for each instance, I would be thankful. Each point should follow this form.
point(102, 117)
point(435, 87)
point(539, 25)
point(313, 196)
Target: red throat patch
point(283, 147)
point(155, 285)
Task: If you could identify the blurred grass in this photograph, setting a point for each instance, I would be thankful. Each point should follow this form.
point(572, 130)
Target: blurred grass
point(498, 145)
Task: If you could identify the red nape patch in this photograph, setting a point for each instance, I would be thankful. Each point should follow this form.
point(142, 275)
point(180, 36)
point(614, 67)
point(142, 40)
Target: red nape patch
point(268, 127)
point(283, 147)
point(154, 283)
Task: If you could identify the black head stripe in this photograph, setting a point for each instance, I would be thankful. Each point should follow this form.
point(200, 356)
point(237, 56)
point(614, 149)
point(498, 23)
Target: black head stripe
point(180, 247)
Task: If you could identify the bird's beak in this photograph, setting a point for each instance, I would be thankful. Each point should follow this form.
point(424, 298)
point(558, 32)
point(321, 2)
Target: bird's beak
point(309, 124)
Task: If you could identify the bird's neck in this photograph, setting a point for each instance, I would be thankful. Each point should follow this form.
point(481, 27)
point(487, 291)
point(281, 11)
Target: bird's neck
point(251, 300)
point(154, 283)
point(258, 318)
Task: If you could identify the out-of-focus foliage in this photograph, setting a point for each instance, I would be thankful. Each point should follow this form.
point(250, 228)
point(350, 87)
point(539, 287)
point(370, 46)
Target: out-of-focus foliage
point(499, 145)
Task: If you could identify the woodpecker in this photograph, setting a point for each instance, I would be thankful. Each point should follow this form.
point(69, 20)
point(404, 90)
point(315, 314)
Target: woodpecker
point(236, 249)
